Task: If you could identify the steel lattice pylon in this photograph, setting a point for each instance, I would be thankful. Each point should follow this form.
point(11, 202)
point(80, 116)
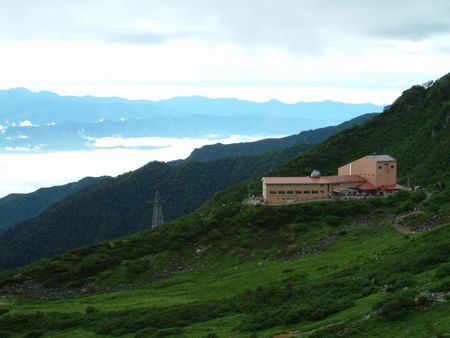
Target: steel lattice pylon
point(157, 218)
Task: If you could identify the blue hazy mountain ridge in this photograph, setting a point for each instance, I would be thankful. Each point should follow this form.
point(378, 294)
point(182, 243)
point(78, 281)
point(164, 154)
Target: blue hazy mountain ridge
point(70, 123)
point(20, 104)
point(15, 208)
point(215, 151)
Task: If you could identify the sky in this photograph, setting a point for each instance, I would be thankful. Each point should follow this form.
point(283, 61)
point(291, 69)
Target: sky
point(291, 50)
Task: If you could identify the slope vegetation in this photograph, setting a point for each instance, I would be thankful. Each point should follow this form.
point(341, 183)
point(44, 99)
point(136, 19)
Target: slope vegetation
point(15, 208)
point(120, 206)
point(415, 129)
point(323, 269)
point(329, 269)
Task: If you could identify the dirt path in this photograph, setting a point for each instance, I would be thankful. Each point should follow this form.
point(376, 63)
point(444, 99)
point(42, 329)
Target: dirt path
point(399, 227)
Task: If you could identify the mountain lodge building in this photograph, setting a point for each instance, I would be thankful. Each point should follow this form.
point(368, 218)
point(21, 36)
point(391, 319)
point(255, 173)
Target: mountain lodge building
point(368, 175)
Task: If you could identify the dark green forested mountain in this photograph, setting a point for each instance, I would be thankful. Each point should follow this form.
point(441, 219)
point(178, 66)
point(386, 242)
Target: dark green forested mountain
point(120, 206)
point(216, 151)
point(374, 267)
point(15, 208)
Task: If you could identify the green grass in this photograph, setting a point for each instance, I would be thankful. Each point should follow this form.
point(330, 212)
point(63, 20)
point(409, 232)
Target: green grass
point(360, 245)
point(238, 288)
point(186, 287)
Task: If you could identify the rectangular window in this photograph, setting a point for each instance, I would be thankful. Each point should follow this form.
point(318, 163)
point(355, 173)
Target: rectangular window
point(392, 166)
point(323, 192)
point(272, 192)
point(298, 192)
point(307, 192)
point(281, 192)
point(315, 192)
point(289, 192)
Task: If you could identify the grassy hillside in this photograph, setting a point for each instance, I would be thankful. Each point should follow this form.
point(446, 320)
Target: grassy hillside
point(15, 208)
point(216, 151)
point(121, 206)
point(376, 267)
point(331, 268)
point(415, 130)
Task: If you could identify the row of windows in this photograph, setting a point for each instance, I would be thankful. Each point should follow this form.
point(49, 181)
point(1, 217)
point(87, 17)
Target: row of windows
point(295, 192)
point(274, 186)
point(381, 167)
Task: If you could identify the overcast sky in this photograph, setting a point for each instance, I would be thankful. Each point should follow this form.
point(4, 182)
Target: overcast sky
point(292, 50)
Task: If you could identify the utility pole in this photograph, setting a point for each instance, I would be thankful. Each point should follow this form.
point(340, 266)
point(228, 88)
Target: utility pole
point(157, 218)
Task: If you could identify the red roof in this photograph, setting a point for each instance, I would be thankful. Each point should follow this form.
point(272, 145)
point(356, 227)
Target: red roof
point(367, 186)
point(314, 180)
point(391, 187)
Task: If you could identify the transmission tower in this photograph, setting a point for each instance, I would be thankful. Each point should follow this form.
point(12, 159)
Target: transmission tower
point(157, 218)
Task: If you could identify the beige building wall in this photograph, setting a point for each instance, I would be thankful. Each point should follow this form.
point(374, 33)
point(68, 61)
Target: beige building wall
point(290, 193)
point(344, 170)
point(376, 172)
point(386, 173)
point(285, 193)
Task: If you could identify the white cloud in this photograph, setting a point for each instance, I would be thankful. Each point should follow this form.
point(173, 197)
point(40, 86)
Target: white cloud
point(288, 49)
point(28, 171)
point(174, 147)
point(26, 123)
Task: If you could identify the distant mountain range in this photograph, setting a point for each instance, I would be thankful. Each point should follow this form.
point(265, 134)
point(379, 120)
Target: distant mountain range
point(218, 150)
point(36, 121)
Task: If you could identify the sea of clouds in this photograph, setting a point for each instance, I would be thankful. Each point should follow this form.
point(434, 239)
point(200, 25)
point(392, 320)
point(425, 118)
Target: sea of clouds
point(26, 172)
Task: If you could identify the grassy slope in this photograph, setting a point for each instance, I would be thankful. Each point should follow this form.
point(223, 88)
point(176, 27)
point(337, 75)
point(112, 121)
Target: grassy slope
point(415, 129)
point(370, 250)
point(120, 206)
point(233, 282)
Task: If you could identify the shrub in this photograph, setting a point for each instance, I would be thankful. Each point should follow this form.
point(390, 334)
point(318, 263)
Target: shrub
point(399, 280)
point(245, 241)
point(418, 196)
point(443, 287)
point(215, 234)
point(90, 309)
point(5, 334)
point(138, 266)
point(441, 272)
point(405, 206)
point(147, 332)
point(397, 306)
point(35, 334)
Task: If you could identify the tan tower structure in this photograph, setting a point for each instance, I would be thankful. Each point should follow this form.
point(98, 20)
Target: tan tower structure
point(380, 170)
